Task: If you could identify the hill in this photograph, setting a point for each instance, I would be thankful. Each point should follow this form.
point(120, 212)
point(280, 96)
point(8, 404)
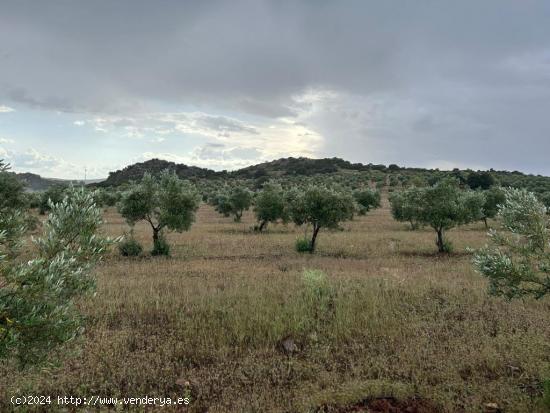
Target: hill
point(154, 166)
point(277, 168)
point(302, 166)
point(34, 182)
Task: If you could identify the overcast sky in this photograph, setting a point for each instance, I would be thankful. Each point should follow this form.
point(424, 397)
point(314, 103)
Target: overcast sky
point(224, 84)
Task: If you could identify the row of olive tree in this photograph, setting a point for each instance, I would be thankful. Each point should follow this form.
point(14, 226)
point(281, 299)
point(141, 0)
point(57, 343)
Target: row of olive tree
point(316, 206)
point(516, 265)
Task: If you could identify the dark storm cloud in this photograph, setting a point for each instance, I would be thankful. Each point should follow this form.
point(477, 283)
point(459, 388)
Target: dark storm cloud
point(420, 81)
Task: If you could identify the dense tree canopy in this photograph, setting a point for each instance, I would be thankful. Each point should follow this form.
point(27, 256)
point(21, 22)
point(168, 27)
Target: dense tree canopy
point(480, 180)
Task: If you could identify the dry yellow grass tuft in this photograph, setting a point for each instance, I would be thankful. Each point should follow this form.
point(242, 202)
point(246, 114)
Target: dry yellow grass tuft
point(394, 320)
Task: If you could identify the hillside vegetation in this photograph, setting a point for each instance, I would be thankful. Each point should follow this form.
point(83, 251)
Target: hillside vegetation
point(293, 169)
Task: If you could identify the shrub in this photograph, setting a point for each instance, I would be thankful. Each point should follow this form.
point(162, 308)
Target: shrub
point(303, 245)
point(447, 246)
point(33, 199)
point(160, 247)
point(130, 247)
point(31, 222)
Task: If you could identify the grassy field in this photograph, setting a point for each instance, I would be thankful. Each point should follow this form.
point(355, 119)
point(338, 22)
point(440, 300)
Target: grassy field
point(392, 319)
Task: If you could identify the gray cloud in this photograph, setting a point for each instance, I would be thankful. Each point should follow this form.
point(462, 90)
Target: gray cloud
point(406, 82)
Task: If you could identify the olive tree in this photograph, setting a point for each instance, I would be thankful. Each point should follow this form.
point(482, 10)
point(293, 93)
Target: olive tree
point(233, 202)
point(405, 206)
point(12, 205)
point(517, 261)
point(12, 194)
point(493, 198)
point(269, 205)
point(166, 202)
point(106, 197)
point(54, 194)
point(320, 207)
point(445, 206)
point(366, 199)
point(37, 295)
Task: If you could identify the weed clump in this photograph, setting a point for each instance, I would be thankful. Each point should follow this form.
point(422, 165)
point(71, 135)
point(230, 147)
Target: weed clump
point(318, 297)
point(303, 245)
point(130, 247)
point(160, 247)
point(447, 246)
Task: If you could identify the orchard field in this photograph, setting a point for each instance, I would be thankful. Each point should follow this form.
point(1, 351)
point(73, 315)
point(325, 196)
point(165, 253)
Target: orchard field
point(233, 321)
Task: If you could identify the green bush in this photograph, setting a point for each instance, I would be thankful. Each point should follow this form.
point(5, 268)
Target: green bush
point(303, 245)
point(160, 247)
point(130, 247)
point(447, 246)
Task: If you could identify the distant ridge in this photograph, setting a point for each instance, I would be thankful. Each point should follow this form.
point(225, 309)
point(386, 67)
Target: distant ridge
point(276, 168)
point(34, 182)
point(272, 169)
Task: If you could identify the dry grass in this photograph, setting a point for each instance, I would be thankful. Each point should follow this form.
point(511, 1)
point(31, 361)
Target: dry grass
point(400, 321)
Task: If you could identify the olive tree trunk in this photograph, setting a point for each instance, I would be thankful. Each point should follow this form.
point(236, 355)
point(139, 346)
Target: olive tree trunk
point(314, 238)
